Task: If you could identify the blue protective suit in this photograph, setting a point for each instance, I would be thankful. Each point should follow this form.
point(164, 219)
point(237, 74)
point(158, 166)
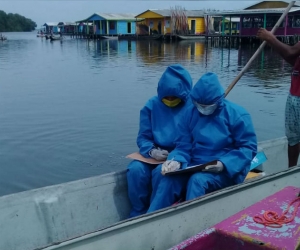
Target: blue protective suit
point(158, 128)
point(227, 135)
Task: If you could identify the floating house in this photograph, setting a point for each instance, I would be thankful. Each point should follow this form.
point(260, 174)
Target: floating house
point(253, 19)
point(270, 5)
point(52, 26)
point(164, 22)
point(262, 14)
point(110, 24)
point(67, 27)
point(232, 26)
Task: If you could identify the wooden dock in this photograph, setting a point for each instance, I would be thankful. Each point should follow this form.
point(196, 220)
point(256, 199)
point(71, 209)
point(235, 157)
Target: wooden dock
point(217, 40)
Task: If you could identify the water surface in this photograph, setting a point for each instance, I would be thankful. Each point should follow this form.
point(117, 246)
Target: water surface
point(70, 110)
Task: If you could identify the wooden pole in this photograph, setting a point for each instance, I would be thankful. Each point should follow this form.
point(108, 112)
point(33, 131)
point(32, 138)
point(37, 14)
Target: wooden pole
point(286, 23)
point(238, 77)
point(223, 25)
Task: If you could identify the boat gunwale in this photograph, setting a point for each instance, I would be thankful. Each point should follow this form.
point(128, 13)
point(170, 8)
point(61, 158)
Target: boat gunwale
point(181, 206)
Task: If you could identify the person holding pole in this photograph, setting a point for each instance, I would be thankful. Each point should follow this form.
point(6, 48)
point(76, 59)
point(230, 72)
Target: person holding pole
point(213, 129)
point(159, 120)
point(291, 54)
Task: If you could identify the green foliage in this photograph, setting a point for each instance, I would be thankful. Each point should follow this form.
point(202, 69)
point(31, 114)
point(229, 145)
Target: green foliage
point(15, 22)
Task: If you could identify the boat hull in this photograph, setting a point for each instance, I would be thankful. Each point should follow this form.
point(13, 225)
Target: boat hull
point(165, 228)
point(110, 37)
point(92, 213)
point(55, 38)
point(191, 37)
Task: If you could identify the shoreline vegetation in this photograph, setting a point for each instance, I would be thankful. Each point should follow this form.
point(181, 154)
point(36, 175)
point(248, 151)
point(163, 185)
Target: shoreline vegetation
point(15, 22)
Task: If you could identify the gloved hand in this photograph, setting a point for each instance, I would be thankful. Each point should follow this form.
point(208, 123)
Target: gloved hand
point(214, 168)
point(169, 166)
point(159, 154)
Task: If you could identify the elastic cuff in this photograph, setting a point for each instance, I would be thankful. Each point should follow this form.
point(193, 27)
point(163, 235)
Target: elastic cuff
point(149, 153)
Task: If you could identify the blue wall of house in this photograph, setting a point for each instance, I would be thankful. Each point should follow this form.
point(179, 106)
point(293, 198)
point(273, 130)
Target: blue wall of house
point(54, 28)
point(114, 27)
point(123, 29)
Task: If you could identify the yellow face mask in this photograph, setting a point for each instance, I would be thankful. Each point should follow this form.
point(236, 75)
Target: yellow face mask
point(172, 103)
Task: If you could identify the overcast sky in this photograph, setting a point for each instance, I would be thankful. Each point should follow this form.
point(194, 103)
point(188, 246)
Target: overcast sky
point(42, 11)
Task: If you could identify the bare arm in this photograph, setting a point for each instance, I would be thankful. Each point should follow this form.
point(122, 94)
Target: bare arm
point(287, 52)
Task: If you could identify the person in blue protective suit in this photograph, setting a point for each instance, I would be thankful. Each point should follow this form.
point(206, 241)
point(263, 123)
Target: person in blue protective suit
point(212, 129)
point(159, 119)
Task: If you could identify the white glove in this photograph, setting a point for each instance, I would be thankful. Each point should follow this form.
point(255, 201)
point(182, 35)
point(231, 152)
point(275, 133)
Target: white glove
point(159, 154)
point(169, 166)
point(214, 168)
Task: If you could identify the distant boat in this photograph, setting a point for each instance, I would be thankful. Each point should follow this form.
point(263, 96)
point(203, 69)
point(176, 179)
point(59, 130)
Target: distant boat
point(110, 37)
point(141, 37)
point(40, 35)
point(54, 38)
point(3, 38)
point(150, 37)
point(191, 37)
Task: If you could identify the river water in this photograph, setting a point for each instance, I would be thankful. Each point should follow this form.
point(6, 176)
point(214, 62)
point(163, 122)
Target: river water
point(70, 110)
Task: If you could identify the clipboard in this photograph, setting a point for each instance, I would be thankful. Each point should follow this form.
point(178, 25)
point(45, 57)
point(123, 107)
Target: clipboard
point(137, 156)
point(192, 169)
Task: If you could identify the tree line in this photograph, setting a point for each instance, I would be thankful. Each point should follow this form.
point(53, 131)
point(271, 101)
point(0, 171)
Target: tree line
point(15, 22)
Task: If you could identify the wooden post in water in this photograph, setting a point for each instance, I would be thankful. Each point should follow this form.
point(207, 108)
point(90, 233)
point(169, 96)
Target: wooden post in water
point(223, 29)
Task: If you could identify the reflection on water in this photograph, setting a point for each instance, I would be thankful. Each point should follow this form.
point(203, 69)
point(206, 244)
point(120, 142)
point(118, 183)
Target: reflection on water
point(152, 52)
point(70, 109)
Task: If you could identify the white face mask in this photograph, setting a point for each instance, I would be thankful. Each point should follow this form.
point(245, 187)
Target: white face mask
point(206, 109)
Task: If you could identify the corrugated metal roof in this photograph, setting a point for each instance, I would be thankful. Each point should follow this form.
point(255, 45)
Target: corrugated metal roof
point(297, 4)
point(51, 24)
point(66, 23)
point(254, 11)
point(117, 16)
point(195, 13)
point(168, 12)
point(164, 13)
point(113, 17)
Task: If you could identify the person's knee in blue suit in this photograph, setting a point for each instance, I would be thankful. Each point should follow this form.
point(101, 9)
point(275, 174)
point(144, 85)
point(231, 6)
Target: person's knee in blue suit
point(204, 182)
point(156, 179)
point(166, 190)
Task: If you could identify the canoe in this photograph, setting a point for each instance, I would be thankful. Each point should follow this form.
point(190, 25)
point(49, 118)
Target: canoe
point(3, 39)
point(110, 37)
point(141, 37)
point(40, 35)
point(55, 38)
point(191, 37)
point(150, 37)
point(92, 213)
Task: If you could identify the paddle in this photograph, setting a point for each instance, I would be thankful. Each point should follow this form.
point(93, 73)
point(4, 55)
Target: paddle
point(238, 77)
